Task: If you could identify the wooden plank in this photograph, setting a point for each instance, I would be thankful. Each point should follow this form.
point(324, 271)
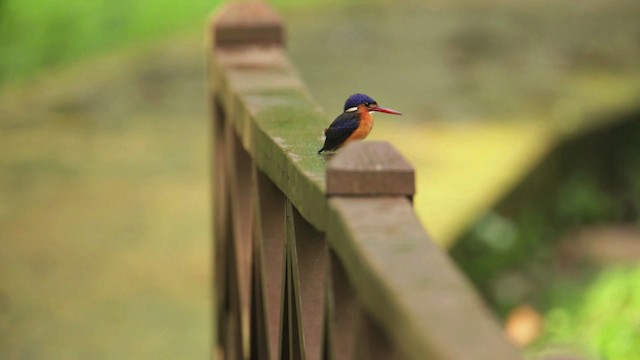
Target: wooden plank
point(370, 168)
point(277, 121)
point(409, 285)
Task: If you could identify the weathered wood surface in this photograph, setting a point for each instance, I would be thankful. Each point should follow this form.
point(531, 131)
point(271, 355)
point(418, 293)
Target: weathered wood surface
point(274, 117)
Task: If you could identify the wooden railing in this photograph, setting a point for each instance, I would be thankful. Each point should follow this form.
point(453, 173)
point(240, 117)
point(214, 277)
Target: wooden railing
point(319, 258)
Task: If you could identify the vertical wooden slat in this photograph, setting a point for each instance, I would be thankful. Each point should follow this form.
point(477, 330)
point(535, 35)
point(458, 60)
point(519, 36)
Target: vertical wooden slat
point(241, 188)
point(285, 348)
point(343, 312)
point(227, 331)
point(270, 229)
point(373, 342)
point(291, 345)
point(220, 211)
point(309, 257)
point(232, 336)
point(220, 186)
point(259, 348)
point(259, 335)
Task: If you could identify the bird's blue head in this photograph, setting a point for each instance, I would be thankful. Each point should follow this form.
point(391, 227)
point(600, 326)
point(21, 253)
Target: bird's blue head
point(361, 99)
point(357, 99)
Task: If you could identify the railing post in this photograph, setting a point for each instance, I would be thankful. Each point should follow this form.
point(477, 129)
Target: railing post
point(247, 23)
point(371, 168)
point(238, 283)
point(361, 170)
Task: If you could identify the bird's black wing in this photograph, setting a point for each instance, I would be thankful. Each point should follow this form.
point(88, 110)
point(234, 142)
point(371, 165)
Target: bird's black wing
point(340, 130)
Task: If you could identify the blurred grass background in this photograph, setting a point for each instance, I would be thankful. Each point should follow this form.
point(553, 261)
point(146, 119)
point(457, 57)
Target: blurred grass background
point(40, 34)
point(104, 199)
point(36, 35)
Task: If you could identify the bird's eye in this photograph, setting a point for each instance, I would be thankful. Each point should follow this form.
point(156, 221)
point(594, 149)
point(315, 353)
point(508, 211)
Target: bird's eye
point(367, 104)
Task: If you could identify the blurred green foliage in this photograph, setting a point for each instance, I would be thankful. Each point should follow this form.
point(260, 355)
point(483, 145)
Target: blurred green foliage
point(39, 34)
point(513, 254)
point(591, 180)
point(500, 242)
point(603, 317)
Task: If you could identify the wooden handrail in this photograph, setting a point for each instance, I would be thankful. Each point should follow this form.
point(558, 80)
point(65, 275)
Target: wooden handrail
point(318, 258)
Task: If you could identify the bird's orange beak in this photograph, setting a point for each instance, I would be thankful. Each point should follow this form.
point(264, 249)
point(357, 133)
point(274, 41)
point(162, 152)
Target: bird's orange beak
point(385, 110)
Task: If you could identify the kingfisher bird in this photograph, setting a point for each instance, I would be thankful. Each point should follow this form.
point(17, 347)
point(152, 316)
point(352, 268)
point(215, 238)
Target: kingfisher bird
point(354, 123)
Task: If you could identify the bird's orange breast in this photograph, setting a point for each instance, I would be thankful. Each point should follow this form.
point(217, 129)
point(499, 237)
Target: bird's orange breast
point(364, 127)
